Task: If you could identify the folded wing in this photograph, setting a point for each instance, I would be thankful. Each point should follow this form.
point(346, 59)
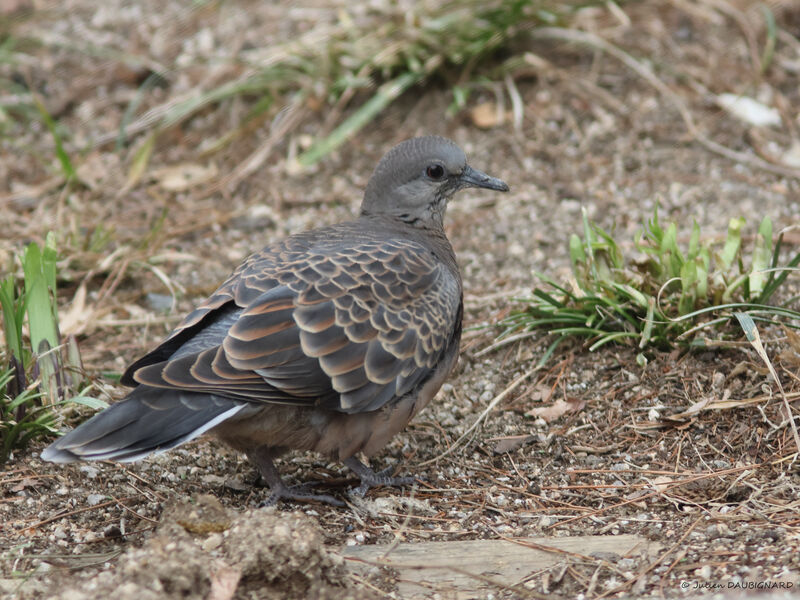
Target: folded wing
point(349, 328)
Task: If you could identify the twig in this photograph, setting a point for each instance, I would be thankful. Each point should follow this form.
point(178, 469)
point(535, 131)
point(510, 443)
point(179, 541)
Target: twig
point(133, 512)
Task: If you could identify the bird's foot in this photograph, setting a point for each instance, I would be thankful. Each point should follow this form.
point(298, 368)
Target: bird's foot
point(262, 457)
point(371, 479)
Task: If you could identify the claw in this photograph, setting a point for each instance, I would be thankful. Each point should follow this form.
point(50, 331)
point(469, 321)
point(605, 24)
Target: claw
point(370, 478)
point(262, 457)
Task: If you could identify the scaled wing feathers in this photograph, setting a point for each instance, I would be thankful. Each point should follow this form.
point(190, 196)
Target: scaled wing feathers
point(346, 325)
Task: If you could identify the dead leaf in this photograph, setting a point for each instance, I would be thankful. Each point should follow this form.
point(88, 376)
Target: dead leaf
point(662, 483)
point(556, 410)
point(752, 335)
point(78, 315)
point(511, 443)
point(743, 367)
point(791, 356)
point(25, 483)
point(486, 115)
point(793, 338)
point(541, 393)
point(178, 178)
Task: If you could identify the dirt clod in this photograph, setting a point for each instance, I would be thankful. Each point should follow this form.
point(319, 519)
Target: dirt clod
point(203, 515)
point(260, 554)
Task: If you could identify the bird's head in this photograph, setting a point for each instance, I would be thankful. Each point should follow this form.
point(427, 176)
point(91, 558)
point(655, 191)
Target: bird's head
point(416, 178)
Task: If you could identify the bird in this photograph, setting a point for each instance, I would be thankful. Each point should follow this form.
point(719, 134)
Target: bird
point(330, 340)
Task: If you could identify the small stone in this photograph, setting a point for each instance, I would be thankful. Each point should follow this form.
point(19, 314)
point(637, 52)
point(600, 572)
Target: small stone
point(236, 484)
point(703, 572)
point(611, 557)
point(212, 542)
point(90, 471)
point(94, 499)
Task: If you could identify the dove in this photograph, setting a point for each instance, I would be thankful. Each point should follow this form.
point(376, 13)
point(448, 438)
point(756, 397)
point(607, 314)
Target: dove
point(330, 340)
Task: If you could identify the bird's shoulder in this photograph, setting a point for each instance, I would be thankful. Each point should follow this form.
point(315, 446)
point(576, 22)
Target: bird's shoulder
point(365, 259)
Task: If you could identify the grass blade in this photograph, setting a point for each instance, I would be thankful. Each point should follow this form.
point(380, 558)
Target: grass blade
point(761, 258)
point(67, 170)
point(752, 335)
point(39, 269)
point(384, 96)
point(13, 309)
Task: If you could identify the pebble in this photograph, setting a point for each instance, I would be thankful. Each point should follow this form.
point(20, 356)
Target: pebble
point(212, 542)
point(94, 499)
point(703, 573)
point(90, 471)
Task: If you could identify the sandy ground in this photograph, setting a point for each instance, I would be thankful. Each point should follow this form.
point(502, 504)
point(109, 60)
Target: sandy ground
point(718, 489)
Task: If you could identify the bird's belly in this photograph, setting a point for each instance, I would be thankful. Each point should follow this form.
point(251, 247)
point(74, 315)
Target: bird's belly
point(328, 432)
point(336, 434)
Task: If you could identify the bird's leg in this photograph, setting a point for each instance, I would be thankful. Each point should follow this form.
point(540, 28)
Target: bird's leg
point(262, 457)
point(370, 478)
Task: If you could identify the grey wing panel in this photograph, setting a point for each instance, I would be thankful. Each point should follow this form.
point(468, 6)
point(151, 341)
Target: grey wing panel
point(351, 329)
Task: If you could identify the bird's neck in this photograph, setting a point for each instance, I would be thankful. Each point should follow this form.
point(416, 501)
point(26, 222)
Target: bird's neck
point(429, 231)
point(430, 219)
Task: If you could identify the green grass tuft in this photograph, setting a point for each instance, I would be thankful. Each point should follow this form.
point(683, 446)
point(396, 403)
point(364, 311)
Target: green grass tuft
point(42, 372)
point(665, 295)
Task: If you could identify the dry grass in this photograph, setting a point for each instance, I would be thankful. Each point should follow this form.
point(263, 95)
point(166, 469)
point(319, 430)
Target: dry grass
point(616, 113)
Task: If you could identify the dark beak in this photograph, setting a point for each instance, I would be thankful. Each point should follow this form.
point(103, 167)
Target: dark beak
point(473, 178)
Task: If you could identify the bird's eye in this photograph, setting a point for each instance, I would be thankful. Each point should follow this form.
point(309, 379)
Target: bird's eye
point(435, 171)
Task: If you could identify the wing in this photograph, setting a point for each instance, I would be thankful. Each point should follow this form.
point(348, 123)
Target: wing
point(348, 326)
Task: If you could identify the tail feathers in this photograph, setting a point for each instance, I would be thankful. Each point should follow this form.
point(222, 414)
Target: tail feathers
point(149, 421)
